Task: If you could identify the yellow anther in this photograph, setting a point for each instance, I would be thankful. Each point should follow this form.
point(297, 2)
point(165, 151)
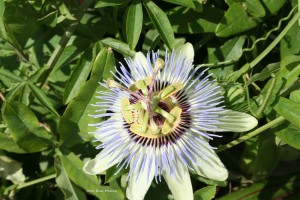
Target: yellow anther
point(111, 83)
point(145, 122)
point(170, 90)
point(169, 126)
point(150, 132)
point(127, 114)
point(133, 106)
point(141, 85)
point(159, 64)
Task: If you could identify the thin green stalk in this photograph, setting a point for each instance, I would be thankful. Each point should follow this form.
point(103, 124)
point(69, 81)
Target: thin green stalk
point(251, 134)
point(39, 180)
point(276, 41)
point(65, 39)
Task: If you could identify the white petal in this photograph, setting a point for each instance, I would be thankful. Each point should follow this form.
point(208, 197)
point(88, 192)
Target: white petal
point(180, 184)
point(185, 51)
point(141, 178)
point(141, 68)
point(100, 163)
point(210, 166)
point(236, 121)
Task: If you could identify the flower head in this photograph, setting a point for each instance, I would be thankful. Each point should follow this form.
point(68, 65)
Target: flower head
point(161, 115)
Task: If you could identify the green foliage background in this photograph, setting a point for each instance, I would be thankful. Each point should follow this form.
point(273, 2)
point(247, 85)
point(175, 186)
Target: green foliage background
point(53, 54)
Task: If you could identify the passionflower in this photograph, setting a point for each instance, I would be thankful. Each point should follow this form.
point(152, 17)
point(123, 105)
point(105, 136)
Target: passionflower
point(160, 115)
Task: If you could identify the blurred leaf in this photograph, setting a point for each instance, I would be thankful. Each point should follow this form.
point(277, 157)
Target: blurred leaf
point(289, 110)
point(105, 3)
point(78, 76)
point(103, 65)
point(134, 23)
point(119, 46)
point(50, 19)
point(8, 144)
point(42, 98)
point(267, 158)
point(24, 127)
point(264, 74)
point(70, 190)
point(206, 193)
point(288, 73)
point(7, 74)
point(274, 188)
point(11, 170)
point(185, 20)
point(231, 50)
point(2, 8)
point(69, 53)
point(295, 96)
point(73, 167)
point(74, 124)
point(161, 23)
point(186, 3)
point(236, 20)
point(151, 40)
point(273, 5)
point(289, 44)
point(110, 173)
point(65, 12)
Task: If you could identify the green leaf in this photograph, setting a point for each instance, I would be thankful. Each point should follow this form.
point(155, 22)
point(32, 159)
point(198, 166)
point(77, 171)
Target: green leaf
point(78, 76)
point(24, 127)
point(161, 23)
point(230, 51)
point(236, 20)
point(266, 159)
point(11, 170)
point(119, 46)
point(2, 8)
point(295, 96)
point(285, 77)
point(275, 188)
point(42, 98)
point(7, 74)
point(186, 3)
point(50, 19)
point(151, 40)
point(70, 190)
point(290, 110)
point(206, 193)
point(255, 8)
point(105, 3)
point(134, 23)
point(273, 5)
point(73, 167)
point(264, 74)
point(8, 144)
point(288, 133)
point(103, 64)
point(74, 124)
point(185, 20)
point(69, 53)
point(289, 45)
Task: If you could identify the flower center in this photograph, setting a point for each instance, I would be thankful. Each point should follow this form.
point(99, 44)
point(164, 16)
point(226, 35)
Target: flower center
point(153, 113)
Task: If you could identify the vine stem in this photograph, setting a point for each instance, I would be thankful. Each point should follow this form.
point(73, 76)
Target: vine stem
point(276, 41)
point(39, 180)
point(251, 134)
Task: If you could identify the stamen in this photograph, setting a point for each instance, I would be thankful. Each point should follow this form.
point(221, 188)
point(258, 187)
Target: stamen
point(168, 125)
point(170, 90)
point(165, 114)
point(127, 114)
